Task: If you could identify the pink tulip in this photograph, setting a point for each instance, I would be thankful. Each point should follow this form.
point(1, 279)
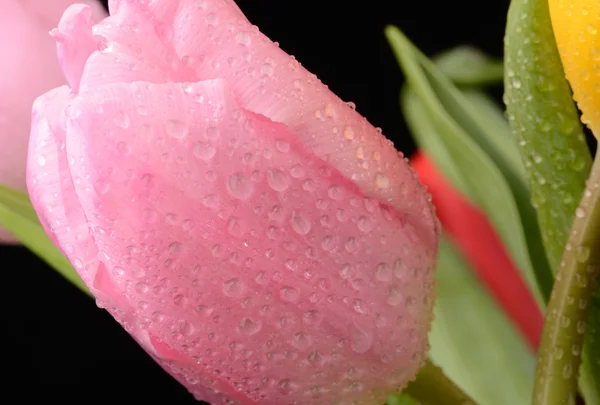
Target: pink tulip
point(28, 69)
point(256, 235)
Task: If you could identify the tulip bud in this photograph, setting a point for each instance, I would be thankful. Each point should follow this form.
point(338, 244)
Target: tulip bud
point(576, 24)
point(257, 236)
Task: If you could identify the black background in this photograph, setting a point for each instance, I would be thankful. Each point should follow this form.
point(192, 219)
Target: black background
point(57, 346)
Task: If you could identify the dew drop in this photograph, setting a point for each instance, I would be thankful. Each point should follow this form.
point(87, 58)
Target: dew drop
point(204, 150)
point(234, 227)
point(122, 119)
point(212, 19)
point(233, 287)
point(176, 129)
point(186, 328)
point(582, 253)
point(72, 111)
point(175, 248)
point(102, 186)
point(242, 38)
point(277, 180)
point(286, 386)
point(282, 145)
point(289, 294)
point(297, 171)
point(300, 223)
point(239, 186)
point(364, 224)
point(301, 341)
point(267, 69)
point(141, 288)
point(361, 340)
point(149, 215)
point(382, 181)
point(328, 244)
point(351, 245)
point(383, 272)
point(334, 192)
point(211, 201)
point(394, 296)
point(249, 326)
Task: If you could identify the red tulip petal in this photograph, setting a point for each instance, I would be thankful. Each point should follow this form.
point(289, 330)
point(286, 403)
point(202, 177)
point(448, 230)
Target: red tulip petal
point(478, 241)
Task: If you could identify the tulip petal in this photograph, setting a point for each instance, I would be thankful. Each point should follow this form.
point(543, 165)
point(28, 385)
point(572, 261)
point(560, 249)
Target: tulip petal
point(257, 269)
point(480, 244)
point(75, 42)
point(131, 49)
point(51, 188)
point(575, 25)
point(212, 39)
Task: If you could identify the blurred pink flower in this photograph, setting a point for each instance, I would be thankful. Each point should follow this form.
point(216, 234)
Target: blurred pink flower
point(29, 68)
point(256, 235)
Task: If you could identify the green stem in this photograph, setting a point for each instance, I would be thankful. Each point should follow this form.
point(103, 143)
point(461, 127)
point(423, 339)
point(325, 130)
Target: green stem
point(559, 355)
point(433, 387)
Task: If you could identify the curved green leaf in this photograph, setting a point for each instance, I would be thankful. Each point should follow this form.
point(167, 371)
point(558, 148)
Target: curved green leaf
point(19, 218)
point(473, 340)
point(469, 66)
point(545, 122)
point(490, 175)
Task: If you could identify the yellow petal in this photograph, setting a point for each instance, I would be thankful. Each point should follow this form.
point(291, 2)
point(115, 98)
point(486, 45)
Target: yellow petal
point(576, 25)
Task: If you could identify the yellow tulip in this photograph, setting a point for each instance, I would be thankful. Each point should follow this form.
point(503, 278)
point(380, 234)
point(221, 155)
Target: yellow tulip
point(576, 25)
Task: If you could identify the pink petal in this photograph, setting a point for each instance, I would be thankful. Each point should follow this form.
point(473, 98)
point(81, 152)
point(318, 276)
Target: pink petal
point(223, 44)
point(251, 269)
point(75, 42)
point(50, 185)
point(211, 39)
point(24, 25)
point(131, 49)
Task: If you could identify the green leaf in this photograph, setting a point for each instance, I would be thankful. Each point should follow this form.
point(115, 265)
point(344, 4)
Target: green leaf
point(469, 66)
point(478, 159)
point(401, 399)
point(472, 339)
point(545, 122)
point(19, 218)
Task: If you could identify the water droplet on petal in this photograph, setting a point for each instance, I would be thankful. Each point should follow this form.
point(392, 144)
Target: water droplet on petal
point(383, 272)
point(301, 340)
point(233, 287)
point(239, 186)
point(282, 145)
point(211, 201)
point(277, 180)
point(175, 248)
point(122, 120)
point(382, 181)
point(102, 186)
point(204, 150)
point(300, 223)
point(289, 294)
point(176, 129)
point(365, 224)
point(249, 326)
point(361, 340)
point(242, 38)
point(297, 171)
